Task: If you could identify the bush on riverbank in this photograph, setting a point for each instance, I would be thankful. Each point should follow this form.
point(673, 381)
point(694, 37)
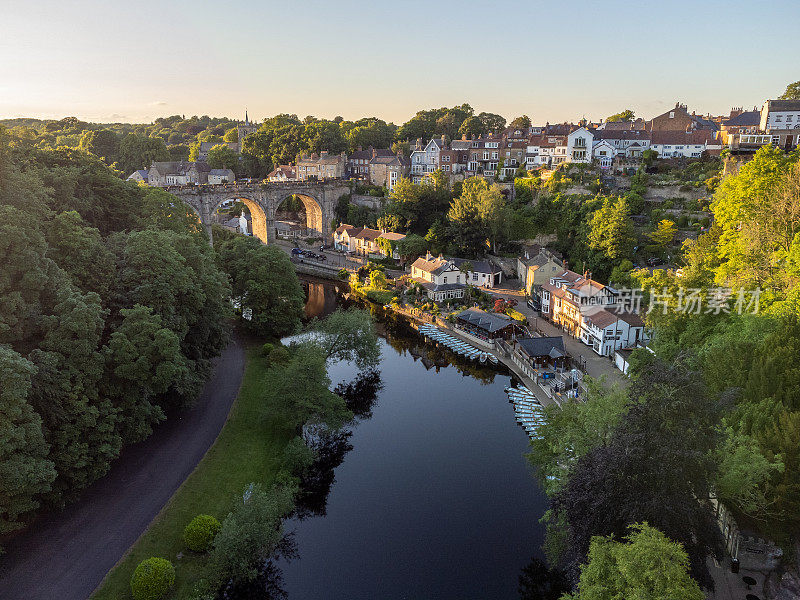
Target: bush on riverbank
point(152, 579)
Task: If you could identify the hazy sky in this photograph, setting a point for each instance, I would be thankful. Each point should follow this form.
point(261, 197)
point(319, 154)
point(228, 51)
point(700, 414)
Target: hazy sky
point(555, 61)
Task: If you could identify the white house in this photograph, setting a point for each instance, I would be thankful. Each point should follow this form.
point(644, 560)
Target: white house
point(780, 114)
point(683, 144)
point(344, 238)
point(579, 146)
point(218, 176)
point(629, 143)
point(481, 272)
point(606, 331)
point(440, 277)
point(604, 152)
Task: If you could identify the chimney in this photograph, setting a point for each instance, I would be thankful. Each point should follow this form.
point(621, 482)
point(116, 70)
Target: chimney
point(441, 257)
point(428, 255)
point(358, 149)
point(464, 137)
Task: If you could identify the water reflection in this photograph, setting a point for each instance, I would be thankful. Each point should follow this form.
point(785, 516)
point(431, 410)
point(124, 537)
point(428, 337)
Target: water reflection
point(434, 499)
point(537, 582)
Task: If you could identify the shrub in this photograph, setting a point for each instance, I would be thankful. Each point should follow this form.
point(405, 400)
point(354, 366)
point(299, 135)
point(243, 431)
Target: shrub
point(152, 579)
point(344, 274)
point(682, 221)
point(200, 532)
point(279, 356)
point(267, 349)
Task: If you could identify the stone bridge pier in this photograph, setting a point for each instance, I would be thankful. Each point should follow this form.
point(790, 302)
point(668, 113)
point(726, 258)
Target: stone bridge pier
point(263, 199)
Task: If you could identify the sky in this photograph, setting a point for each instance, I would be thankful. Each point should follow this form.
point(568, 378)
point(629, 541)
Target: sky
point(554, 61)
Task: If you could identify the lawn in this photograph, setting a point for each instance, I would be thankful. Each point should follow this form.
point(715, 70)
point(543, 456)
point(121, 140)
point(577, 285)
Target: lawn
point(248, 449)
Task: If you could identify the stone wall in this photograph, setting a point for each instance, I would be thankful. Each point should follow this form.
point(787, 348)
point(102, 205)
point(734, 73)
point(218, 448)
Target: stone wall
point(371, 202)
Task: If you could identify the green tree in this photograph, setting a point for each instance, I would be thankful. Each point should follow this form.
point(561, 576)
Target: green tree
point(232, 135)
point(412, 246)
point(662, 237)
point(103, 143)
point(25, 470)
point(139, 152)
point(522, 122)
point(264, 281)
point(611, 231)
point(250, 533)
point(472, 126)
point(222, 157)
point(792, 92)
point(492, 122)
point(625, 115)
point(647, 564)
point(477, 215)
point(348, 335)
point(144, 361)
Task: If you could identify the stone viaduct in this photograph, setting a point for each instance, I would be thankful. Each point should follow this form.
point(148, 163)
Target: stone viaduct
point(263, 199)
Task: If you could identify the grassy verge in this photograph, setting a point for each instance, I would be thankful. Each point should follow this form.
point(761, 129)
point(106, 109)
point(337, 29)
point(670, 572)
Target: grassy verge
point(249, 448)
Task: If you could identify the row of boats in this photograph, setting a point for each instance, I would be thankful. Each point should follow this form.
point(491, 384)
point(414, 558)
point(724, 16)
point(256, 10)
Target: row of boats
point(456, 345)
point(527, 409)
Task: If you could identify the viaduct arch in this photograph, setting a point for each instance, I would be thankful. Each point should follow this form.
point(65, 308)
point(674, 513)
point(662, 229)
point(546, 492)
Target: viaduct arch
point(263, 199)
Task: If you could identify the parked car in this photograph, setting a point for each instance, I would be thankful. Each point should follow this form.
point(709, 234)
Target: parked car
point(654, 261)
point(297, 252)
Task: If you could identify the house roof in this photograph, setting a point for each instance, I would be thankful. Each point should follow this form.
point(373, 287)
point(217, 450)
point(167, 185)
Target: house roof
point(220, 172)
point(433, 265)
point(600, 317)
point(442, 287)
point(622, 134)
point(478, 266)
point(631, 319)
point(748, 118)
point(682, 137)
point(368, 234)
point(286, 170)
point(392, 236)
point(543, 346)
point(778, 105)
point(490, 322)
point(350, 229)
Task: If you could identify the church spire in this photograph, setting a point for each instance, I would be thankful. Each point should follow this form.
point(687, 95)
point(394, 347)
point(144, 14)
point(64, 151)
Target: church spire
point(246, 121)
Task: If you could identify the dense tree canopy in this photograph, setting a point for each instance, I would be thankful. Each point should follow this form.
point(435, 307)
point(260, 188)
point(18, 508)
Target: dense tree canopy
point(111, 309)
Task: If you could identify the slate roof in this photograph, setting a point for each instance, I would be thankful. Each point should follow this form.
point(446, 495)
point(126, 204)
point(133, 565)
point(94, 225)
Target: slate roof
point(682, 137)
point(748, 118)
point(600, 317)
point(478, 266)
point(543, 346)
point(780, 105)
point(489, 322)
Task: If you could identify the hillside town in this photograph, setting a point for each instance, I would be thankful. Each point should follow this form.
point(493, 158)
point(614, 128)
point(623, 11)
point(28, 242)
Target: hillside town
point(612, 145)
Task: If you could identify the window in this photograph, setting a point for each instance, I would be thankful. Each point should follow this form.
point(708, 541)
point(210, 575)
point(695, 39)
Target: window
point(494, 155)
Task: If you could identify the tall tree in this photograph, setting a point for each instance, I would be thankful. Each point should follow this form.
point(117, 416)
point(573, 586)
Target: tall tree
point(792, 92)
point(264, 281)
point(611, 231)
point(625, 115)
point(522, 122)
point(646, 565)
point(25, 470)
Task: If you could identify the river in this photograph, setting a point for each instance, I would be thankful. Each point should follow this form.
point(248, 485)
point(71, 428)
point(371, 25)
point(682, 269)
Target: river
point(434, 499)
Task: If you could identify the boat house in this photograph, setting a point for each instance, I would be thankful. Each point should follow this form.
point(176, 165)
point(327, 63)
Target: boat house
point(485, 325)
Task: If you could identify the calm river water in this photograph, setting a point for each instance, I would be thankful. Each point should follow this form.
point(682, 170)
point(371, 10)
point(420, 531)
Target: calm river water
point(435, 498)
